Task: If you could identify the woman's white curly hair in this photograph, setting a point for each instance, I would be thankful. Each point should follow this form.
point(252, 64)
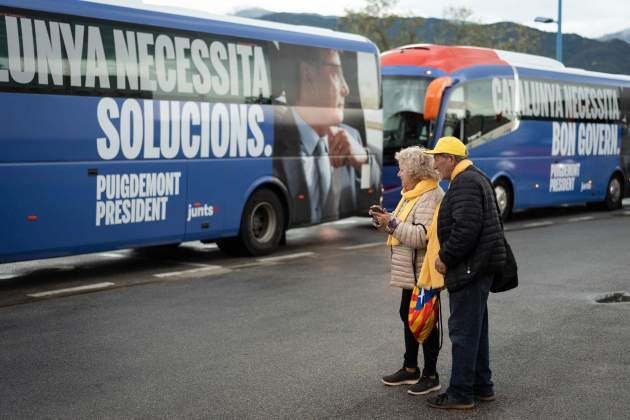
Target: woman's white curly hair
point(419, 165)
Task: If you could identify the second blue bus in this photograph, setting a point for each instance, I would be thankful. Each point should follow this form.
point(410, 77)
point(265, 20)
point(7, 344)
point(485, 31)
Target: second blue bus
point(545, 134)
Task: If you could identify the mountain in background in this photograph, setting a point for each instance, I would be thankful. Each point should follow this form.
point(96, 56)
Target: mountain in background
point(622, 35)
point(609, 56)
point(252, 12)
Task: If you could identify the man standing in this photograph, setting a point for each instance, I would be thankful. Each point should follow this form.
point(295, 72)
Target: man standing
point(471, 250)
point(327, 157)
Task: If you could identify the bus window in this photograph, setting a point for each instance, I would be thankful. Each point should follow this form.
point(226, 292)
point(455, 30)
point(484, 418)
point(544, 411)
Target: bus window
point(455, 114)
point(470, 114)
point(403, 107)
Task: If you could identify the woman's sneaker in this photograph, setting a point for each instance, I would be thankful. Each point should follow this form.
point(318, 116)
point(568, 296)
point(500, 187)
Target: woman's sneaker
point(425, 385)
point(402, 377)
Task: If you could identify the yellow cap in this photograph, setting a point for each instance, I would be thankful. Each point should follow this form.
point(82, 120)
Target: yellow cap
point(451, 145)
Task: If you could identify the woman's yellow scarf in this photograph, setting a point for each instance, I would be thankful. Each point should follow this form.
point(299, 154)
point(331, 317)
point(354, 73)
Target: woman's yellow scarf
point(408, 200)
point(429, 277)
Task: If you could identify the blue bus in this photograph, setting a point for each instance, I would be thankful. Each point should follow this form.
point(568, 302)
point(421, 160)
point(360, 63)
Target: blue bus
point(545, 134)
point(130, 127)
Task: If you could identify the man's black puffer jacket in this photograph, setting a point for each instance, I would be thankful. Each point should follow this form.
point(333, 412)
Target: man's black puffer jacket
point(469, 230)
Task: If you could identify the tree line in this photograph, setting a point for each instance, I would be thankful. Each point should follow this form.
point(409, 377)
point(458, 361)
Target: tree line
point(378, 22)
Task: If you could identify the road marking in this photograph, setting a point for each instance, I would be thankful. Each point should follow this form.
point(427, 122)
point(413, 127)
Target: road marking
point(196, 264)
point(87, 287)
point(370, 245)
point(537, 224)
point(286, 257)
point(344, 222)
point(581, 219)
point(111, 255)
point(208, 269)
point(246, 265)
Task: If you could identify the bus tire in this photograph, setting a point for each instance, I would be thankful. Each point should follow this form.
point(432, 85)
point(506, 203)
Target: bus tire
point(505, 197)
point(614, 194)
point(262, 226)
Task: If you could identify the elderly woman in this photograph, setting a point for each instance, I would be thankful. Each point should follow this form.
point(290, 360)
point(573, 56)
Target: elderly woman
point(407, 228)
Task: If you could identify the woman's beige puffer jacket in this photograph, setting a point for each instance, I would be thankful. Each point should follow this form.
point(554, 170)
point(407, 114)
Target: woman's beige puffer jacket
point(412, 234)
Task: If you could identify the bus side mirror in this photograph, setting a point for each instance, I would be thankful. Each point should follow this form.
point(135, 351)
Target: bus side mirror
point(432, 100)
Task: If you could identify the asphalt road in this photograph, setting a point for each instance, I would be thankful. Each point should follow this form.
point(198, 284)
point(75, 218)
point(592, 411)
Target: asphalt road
point(308, 333)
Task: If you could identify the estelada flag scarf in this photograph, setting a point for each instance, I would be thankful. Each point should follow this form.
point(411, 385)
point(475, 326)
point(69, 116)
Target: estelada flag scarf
point(408, 200)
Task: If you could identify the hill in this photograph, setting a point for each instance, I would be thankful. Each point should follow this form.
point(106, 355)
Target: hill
point(610, 56)
point(252, 12)
point(622, 35)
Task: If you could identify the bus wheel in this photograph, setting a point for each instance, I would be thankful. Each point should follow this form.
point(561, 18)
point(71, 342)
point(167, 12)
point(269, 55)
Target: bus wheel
point(613, 194)
point(503, 192)
point(262, 226)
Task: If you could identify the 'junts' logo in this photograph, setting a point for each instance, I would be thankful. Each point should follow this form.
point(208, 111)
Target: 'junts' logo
point(199, 210)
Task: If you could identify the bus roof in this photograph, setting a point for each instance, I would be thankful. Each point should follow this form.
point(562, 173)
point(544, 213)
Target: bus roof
point(189, 19)
point(453, 58)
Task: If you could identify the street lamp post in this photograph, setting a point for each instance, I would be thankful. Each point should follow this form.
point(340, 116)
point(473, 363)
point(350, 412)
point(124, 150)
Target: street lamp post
point(559, 33)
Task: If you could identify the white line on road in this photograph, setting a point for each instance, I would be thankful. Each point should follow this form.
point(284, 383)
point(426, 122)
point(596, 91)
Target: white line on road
point(344, 222)
point(197, 265)
point(370, 245)
point(286, 257)
point(87, 287)
point(537, 224)
point(208, 269)
point(581, 219)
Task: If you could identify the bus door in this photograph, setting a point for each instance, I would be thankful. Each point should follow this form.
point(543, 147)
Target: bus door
point(207, 191)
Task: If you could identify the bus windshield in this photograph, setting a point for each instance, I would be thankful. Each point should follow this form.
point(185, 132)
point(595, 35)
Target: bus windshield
point(403, 106)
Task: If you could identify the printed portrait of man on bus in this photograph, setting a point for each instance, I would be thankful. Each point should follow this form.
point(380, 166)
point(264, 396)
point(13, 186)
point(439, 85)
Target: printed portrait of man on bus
point(319, 150)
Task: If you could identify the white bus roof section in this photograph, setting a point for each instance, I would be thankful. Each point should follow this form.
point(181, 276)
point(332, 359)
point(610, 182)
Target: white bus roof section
point(529, 60)
point(545, 63)
point(233, 19)
point(598, 74)
point(526, 61)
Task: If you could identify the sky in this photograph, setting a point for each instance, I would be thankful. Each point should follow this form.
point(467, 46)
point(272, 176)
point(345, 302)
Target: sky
point(584, 17)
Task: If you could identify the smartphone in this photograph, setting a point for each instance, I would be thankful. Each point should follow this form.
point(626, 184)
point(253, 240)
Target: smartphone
point(377, 209)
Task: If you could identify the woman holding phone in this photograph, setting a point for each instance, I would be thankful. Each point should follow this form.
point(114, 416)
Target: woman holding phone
point(407, 228)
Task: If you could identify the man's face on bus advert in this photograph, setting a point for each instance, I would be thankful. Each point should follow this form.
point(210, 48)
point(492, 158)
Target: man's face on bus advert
point(328, 89)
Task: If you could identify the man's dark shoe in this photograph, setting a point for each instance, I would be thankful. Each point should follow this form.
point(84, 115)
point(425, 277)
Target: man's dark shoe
point(402, 377)
point(425, 385)
point(486, 397)
point(484, 394)
point(445, 401)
